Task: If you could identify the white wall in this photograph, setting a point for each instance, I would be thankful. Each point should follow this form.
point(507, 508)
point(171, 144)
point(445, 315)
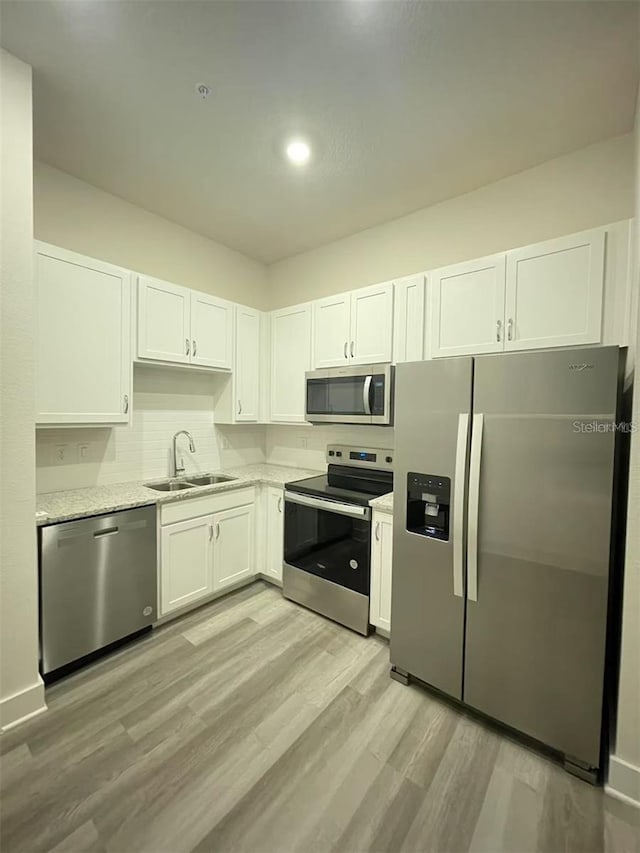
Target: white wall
point(77, 216)
point(590, 187)
point(624, 769)
point(164, 401)
point(21, 691)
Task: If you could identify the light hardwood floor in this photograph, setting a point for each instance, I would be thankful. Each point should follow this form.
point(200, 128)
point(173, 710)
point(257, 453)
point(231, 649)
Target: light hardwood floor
point(255, 725)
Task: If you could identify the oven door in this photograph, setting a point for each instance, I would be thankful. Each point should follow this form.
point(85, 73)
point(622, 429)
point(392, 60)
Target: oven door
point(328, 539)
point(362, 395)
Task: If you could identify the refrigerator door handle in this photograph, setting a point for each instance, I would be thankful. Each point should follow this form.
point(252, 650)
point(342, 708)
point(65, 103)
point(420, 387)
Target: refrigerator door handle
point(462, 445)
point(474, 501)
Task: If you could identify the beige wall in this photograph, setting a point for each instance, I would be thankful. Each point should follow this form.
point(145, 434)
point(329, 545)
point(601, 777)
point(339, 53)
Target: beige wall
point(590, 187)
point(21, 691)
point(624, 770)
point(77, 216)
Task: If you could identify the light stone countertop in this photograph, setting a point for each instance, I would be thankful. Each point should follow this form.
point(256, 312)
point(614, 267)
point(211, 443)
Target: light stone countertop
point(53, 507)
point(382, 504)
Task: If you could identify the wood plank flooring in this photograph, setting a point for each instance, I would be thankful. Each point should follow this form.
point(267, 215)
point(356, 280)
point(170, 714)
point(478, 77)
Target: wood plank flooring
point(255, 725)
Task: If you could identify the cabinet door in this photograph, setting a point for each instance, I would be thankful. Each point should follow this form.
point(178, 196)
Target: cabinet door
point(408, 319)
point(371, 324)
point(211, 331)
point(467, 307)
point(234, 534)
point(275, 533)
point(83, 355)
point(164, 330)
point(290, 359)
point(555, 291)
point(247, 364)
point(381, 551)
point(185, 562)
point(331, 331)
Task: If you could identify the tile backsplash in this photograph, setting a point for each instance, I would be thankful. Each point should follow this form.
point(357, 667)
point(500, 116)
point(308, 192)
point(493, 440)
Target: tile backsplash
point(306, 445)
point(164, 401)
point(167, 400)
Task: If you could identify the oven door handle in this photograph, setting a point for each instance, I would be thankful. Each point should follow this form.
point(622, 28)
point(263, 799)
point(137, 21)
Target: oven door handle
point(328, 506)
point(366, 394)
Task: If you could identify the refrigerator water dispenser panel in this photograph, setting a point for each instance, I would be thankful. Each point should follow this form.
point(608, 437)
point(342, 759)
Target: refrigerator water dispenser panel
point(428, 498)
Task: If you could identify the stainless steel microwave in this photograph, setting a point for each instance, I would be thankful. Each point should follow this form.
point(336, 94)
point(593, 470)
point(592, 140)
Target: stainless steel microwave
point(350, 395)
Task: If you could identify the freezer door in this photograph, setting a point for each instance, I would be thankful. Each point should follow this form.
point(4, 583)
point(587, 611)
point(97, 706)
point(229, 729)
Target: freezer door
point(540, 499)
point(433, 400)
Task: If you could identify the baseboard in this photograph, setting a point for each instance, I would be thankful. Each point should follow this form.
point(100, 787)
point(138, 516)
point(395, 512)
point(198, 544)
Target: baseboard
point(269, 579)
point(624, 781)
point(22, 706)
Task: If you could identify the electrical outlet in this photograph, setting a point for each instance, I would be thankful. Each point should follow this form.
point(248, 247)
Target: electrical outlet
point(304, 442)
point(60, 454)
point(83, 452)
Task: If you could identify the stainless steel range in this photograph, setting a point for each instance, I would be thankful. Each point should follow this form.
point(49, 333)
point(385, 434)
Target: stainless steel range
point(327, 534)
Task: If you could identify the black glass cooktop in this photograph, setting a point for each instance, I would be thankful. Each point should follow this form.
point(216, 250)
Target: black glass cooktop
point(342, 483)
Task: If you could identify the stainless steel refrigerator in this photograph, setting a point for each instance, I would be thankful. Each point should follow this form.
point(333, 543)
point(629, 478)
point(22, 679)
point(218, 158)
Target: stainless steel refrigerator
point(502, 540)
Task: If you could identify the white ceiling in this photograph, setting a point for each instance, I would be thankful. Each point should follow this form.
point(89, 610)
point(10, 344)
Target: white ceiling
point(405, 103)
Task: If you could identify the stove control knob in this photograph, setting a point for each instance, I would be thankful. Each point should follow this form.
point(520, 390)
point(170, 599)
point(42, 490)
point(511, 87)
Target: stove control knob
point(388, 459)
point(338, 453)
point(332, 453)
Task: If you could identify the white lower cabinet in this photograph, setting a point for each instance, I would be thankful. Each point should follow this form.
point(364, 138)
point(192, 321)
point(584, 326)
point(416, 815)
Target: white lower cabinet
point(381, 553)
point(233, 546)
point(206, 545)
point(185, 559)
point(275, 533)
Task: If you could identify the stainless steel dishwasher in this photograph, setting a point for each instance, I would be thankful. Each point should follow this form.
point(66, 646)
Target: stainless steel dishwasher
point(98, 583)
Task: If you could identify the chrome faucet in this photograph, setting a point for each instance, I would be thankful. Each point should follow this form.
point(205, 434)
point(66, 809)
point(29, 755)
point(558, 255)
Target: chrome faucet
point(179, 469)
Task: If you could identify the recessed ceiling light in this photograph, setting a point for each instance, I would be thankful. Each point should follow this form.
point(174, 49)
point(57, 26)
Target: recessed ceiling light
point(298, 151)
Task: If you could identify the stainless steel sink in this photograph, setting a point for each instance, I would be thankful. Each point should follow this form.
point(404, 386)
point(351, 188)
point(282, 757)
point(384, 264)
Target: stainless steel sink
point(210, 480)
point(168, 486)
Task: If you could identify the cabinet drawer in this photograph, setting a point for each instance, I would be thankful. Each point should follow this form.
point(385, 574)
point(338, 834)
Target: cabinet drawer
point(206, 505)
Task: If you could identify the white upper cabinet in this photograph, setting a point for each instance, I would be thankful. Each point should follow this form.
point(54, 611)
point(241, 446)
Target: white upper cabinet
point(555, 291)
point(211, 331)
point(290, 359)
point(371, 324)
point(164, 321)
point(408, 318)
point(331, 331)
point(354, 327)
point(183, 326)
point(83, 355)
point(467, 307)
point(247, 364)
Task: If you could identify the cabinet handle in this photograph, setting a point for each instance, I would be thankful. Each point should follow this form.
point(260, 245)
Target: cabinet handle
point(498, 330)
point(126, 404)
point(346, 354)
point(217, 531)
point(351, 349)
point(510, 329)
point(377, 531)
point(239, 407)
point(195, 347)
point(210, 532)
point(280, 504)
point(187, 345)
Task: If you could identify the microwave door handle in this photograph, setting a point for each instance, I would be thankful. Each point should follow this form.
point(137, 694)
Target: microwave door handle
point(366, 394)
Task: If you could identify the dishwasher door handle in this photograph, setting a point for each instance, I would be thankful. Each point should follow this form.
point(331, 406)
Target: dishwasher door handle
point(109, 531)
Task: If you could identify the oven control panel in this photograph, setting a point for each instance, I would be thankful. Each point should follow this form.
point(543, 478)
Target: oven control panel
point(362, 457)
